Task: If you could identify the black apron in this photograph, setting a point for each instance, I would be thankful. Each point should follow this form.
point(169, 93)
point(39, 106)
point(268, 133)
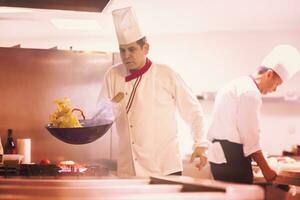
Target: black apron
point(238, 167)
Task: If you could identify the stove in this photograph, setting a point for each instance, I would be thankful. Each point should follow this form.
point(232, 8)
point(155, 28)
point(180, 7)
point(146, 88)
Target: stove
point(51, 170)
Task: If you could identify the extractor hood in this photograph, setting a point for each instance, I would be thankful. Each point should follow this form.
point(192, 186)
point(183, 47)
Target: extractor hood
point(74, 5)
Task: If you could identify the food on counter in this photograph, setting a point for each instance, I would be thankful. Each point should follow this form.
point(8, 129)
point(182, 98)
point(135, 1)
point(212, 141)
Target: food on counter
point(274, 161)
point(45, 162)
point(285, 159)
point(277, 163)
point(64, 117)
point(66, 163)
point(71, 166)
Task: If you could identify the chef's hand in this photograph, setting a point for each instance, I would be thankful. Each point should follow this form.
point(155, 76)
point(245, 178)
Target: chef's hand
point(201, 153)
point(269, 174)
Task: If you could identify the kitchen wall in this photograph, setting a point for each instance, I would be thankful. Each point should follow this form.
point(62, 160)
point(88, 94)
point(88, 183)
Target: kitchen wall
point(30, 79)
point(215, 57)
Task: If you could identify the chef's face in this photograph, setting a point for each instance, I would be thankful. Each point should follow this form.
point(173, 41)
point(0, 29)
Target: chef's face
point(271, 82)
point(133, 55)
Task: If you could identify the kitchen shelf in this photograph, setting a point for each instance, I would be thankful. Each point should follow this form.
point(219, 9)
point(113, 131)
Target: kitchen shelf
point(268, 99)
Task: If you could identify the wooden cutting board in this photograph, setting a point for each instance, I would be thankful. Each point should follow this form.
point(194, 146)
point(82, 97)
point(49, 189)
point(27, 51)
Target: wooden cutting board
point(293, 173)
point(289, 177)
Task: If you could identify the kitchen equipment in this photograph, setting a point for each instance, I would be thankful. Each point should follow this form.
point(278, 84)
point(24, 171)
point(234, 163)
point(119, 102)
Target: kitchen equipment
point(89, 132)
point(51, 170)
point(24, 148)
point(12, 157)
point(10, 145)
point(1, 152)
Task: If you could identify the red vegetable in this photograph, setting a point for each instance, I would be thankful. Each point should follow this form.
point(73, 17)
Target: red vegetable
point(45, 162)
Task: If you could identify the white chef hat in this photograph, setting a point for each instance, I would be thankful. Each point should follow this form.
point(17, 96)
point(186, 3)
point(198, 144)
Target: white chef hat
point(284, 60)
point(126, 26)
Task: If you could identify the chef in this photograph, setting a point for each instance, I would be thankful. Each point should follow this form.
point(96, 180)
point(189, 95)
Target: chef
point(234, 130)
point(147, 129)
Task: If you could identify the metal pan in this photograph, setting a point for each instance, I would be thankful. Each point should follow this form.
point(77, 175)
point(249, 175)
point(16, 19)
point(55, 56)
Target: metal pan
point(89, 132)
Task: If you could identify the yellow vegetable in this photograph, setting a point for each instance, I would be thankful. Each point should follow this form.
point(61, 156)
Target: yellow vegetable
point(63, 116)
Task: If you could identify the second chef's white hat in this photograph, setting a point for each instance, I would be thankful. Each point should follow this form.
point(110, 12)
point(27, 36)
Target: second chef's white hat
point(284, 60)
point(126, 26)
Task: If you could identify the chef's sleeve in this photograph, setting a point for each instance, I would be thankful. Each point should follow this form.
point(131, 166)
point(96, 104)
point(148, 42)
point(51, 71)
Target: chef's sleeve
point(191, 111)
point(105, 91)
point(248, 122)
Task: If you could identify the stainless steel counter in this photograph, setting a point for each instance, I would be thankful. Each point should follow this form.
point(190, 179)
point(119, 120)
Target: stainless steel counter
point(114, 188)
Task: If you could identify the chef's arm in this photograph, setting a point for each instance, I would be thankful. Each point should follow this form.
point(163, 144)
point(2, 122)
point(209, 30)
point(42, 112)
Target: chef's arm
point(248, 126)
point(191, 112)
point(268, 172)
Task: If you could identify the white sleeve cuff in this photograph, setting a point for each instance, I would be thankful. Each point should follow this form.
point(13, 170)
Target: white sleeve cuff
point(248, 151)
point(203, 143)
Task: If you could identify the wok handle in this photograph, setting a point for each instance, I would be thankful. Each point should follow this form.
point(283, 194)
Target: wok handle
point(81, 112)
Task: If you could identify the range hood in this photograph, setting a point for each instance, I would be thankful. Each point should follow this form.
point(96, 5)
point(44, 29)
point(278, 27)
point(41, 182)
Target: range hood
point(74, 5)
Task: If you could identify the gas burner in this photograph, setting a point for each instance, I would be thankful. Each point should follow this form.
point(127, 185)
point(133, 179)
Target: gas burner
point(89, 170)
point(28, 170)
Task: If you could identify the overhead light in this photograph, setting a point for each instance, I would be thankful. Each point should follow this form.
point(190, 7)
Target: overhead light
point(75, 5)
point(14, 10)
point(76, 24)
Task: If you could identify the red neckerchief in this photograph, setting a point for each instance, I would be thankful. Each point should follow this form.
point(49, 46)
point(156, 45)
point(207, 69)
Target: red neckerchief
point(140, 72)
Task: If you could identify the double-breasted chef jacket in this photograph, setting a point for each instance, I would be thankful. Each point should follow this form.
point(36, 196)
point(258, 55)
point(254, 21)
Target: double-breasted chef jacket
point(148, 142)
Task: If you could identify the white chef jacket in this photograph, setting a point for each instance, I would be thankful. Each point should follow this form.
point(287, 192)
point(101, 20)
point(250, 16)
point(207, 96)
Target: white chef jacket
point(235, 118)
point(148, 142)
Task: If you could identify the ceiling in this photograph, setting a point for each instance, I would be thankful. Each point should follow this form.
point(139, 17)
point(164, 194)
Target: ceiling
point(155, 17)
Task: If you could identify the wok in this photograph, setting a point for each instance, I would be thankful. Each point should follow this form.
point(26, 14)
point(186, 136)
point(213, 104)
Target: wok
point(89, 132)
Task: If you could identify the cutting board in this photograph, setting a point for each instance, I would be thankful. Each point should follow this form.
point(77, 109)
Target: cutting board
point(293, 173)
point(289, 177)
